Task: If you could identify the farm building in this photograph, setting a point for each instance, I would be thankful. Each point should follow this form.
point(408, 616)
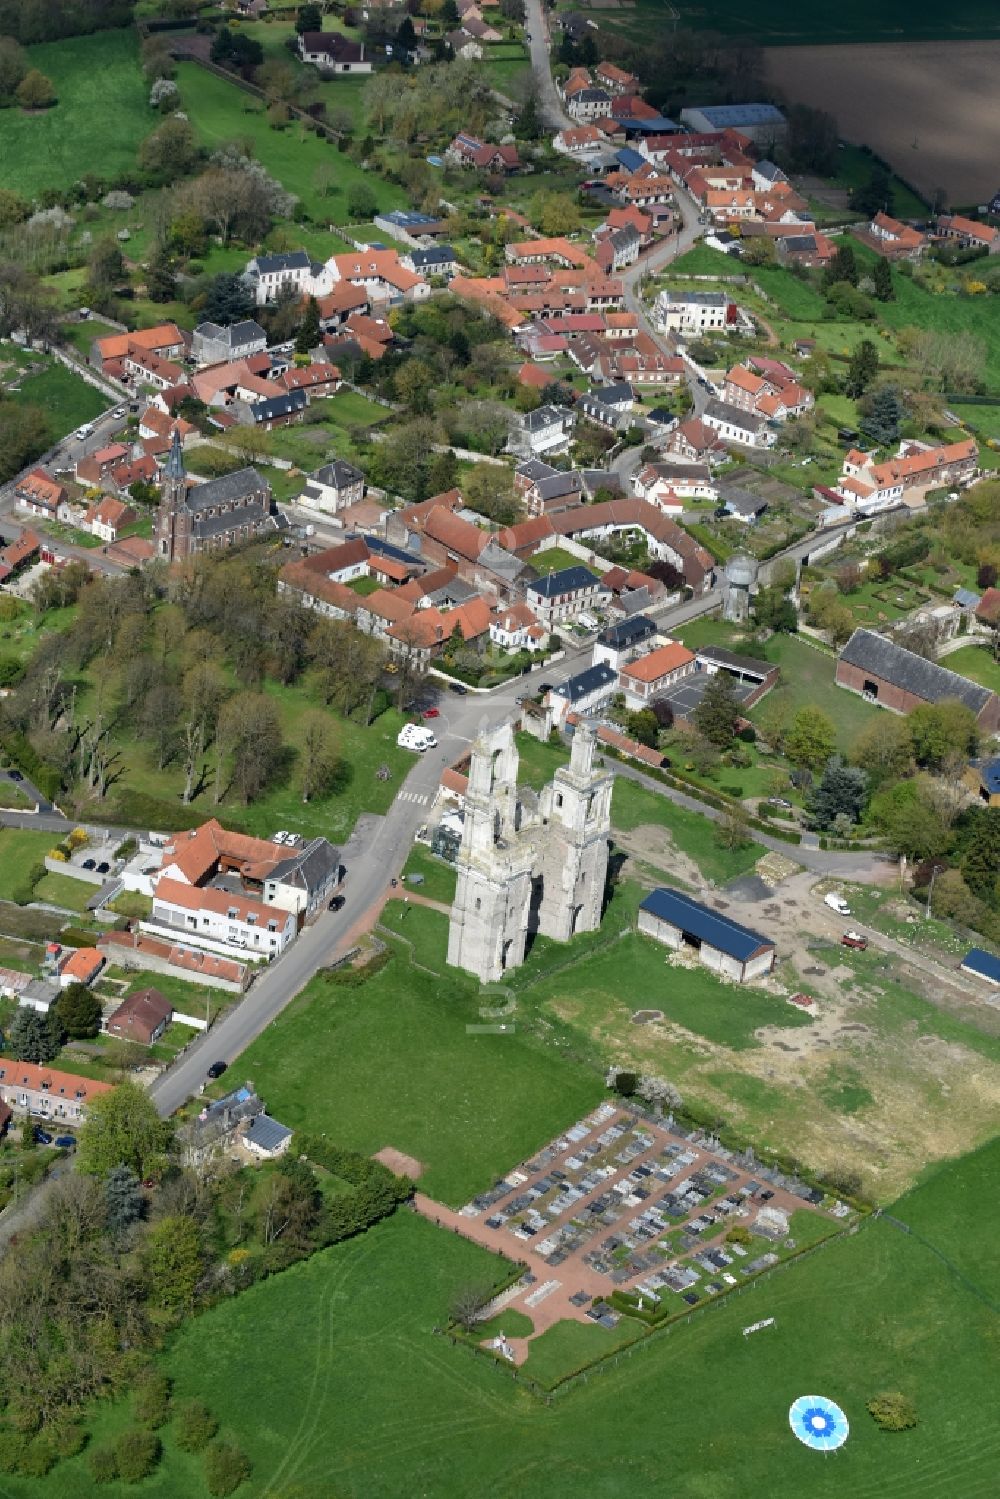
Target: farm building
point(983, 965)
point(898, 679)
point(729, 949)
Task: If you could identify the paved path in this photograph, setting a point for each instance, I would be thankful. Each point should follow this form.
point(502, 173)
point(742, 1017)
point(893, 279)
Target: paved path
point(550, 106)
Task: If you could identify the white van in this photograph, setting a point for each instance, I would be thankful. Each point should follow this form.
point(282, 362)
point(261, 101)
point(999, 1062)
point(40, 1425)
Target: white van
point(84, 431)
point(414, 736)
point(837, 903)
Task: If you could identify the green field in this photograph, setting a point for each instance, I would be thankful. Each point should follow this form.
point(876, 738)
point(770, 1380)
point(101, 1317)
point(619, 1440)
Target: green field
point(381, 1052)
point(20, 850)
point(96, 125)
point(343, 1351)
point(221, 112)
point(554, 559)
point(807, 679)
point(977, 662)
point(63, 890)
point(67, 400)
point(633, 806)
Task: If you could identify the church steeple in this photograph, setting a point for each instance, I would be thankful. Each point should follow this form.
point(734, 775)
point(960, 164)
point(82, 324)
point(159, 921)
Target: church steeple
point(175, 460)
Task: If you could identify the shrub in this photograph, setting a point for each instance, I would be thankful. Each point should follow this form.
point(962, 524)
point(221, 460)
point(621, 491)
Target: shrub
point(40, 1457)
point(69, 1439)
point(151, 1400)
point(738, 1234)
point(194, 1426)
point(13, 1446)
point(893, 1411)
point(57, 855)
point(78, 838)
point(226, 1467)
point(103, 1464)
point(137, 1453)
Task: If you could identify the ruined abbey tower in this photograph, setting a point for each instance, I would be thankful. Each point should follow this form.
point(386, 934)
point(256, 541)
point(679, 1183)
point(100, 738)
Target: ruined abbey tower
point(528, 863)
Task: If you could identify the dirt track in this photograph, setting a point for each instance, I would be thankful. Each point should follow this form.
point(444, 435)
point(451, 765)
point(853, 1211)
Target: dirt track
point(928, 107)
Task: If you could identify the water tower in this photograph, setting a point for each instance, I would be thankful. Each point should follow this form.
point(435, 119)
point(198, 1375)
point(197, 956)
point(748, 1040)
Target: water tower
point(738, 583)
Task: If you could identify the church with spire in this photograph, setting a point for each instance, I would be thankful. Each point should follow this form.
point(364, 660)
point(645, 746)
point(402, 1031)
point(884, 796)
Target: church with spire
point(196, 518)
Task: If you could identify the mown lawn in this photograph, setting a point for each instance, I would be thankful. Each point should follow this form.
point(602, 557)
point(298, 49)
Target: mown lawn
point(438, 877)
point(20, 850)
point(554, 560)
point(807, 679)
point(633, 806)
point(403, 1062)
point(975, 661)
point(101, 114)
point(63, 890)
point(345, 1343)
point(219, 112)
point(67, 400)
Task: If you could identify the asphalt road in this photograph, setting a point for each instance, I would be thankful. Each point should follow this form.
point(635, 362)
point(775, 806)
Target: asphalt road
point(549, 103)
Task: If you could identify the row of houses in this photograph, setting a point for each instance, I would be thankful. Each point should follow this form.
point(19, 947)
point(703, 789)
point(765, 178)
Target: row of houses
point(867, 485)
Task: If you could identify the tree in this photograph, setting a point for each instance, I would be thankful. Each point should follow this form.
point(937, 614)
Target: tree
point(79, 1012)
point(885, 747)
point(811, 739)
point(161, 283)
point(884, 415)
point(170, 151)
point(873, 196)
point(716, 714)
point(250, 731)
point(105, 268)
point(33, 1037)
point(882, 277)
point(309, 334)
point(841, 792)
point(940, 730)
point(228, 299)
point(309, 18)
point(554, 213)
point(643, 726)
point(35, 91)
point(733, 829)
point(842, 267)
point(194, 1426)
point(13, 66)
point(124, 1199)
point(173, 1256)
point(317, 754)
point(361, 201)
point(774, 610)
point(812, 140)
point(862, 369)
point(236, 50)
point(466, 1305)
point(122, 1128)
point(226, 1467)
point(488, 489)
point(137, 1453)
point(13, 208)
point(912, 829)
point(892, 1411)
point(981, 860)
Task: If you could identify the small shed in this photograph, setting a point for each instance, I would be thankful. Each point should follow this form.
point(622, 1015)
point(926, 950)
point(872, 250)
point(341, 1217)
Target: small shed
point(266, 1138)
point(983, 965)
point(733, 951)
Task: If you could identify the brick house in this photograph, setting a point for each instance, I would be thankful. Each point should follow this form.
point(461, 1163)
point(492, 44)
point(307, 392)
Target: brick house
point(649, 676)
point(31, 1089)
point(895, 678)
point(142, 1016)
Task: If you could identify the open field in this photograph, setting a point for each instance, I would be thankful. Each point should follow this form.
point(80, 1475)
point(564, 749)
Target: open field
point(345, 1344)
point(81, 133)
point(219, 111)
point(385, 1049)
point(923, 107)
point(975, 661)
point(67, 400)
point(782, 22)
point(20, 850)
point(807, 678)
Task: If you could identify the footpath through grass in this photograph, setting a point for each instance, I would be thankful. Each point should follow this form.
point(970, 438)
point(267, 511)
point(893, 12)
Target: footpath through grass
point(100, 115)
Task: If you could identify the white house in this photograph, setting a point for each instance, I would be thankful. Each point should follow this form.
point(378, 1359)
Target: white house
point(545, 430)
point(566, 594)
point(334, 487)
point(625, 641)
point(742, 427)
point(332, 52)
point(272, 274)
point(693, 312)
point(518, 629)
point(221, 919)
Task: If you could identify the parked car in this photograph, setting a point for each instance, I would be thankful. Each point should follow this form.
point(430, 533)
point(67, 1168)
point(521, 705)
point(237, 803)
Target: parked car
point(42, 1136)
point(458, 687)
point(854, 939)
point(281, 837)
point(89, 864)
point(15, 775)
point(217, 1069)
point(779, 801)
point(336, 904)
point(103, 868)
point(66, 1142)
point(432, 712)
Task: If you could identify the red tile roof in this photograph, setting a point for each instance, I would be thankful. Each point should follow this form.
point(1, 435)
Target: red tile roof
point(38, 1079)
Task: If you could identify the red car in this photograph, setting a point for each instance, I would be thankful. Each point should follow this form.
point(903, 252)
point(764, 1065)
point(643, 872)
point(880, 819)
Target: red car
point(432, 713)
point(854, 939)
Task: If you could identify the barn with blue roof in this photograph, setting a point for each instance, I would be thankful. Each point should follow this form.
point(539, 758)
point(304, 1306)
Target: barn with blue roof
point(733, 951)
point(984, 965)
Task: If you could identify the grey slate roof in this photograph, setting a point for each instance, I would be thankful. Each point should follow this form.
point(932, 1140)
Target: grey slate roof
point(742, 501)
point(338, 474)
point(717, 655)
point(739, 942)
point(910, 672)
point(566, 580)
point(289, 260)
point(267, 410)
point(545, 416)
point(310, 868)
point(627, 632)
point(557, 484)
point(266, 1133)
point(586, 682)
point(226, 488)
point(723, 412)
point(424, 260)
point(534, 469)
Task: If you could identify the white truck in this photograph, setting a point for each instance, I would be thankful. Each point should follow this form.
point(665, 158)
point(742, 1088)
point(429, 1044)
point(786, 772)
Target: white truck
point(837, 903)
point(414, 736)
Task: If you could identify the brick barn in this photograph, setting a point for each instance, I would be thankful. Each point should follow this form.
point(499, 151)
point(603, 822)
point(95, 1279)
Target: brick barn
point(886, 673)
